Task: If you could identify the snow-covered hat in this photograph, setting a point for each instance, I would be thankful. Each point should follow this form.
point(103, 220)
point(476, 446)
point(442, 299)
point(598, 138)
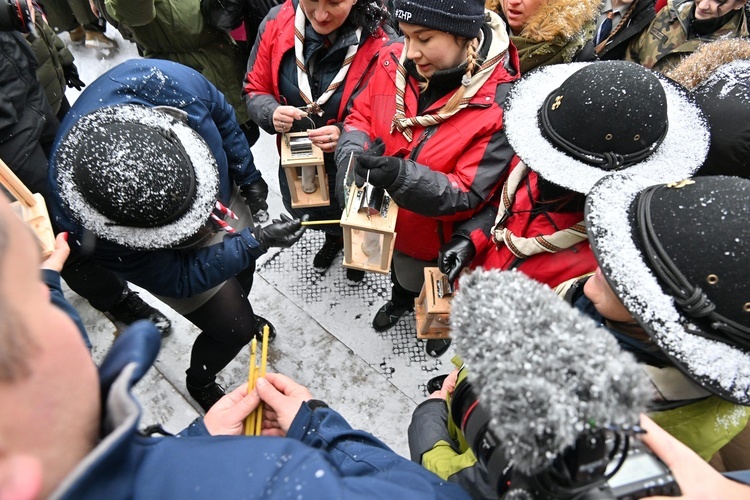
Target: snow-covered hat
point(676, 255)
point(725, 100)
point(137, 176)
point(575, 123)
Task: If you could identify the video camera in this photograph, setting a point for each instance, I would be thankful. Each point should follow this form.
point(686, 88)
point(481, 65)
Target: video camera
point(16, 15)
point(602, 464)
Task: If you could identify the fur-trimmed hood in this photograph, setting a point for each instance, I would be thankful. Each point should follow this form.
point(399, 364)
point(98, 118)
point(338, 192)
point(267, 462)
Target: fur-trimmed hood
point(701, 64)
point(555, 19)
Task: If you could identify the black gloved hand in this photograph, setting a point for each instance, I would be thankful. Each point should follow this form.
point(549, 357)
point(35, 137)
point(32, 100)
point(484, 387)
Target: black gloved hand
point(455, 255)
point(72, 80)
point(281, 233)
point(383, 170)
point(255, 195)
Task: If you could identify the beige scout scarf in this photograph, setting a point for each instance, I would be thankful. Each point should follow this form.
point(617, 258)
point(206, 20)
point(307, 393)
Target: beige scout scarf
point(302, 78)
point(497, 51)
point(523, 247)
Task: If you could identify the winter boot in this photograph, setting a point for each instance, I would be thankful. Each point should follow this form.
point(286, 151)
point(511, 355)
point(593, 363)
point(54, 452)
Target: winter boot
point(388, 315)
point(261, 323)
point(99, 41)
point(354, 277)
point(437, 347)
point(206, 395)
point(131, 308)
point(324, 258)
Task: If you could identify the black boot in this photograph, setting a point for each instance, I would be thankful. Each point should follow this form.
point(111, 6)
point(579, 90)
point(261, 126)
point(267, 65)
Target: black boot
point(388, 315)
point(437, 347)
point(132, 307)
point(206, 395)
point(327, 253)
point(261, 322)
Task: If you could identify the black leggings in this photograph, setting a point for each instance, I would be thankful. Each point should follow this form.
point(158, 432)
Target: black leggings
point(227, 323)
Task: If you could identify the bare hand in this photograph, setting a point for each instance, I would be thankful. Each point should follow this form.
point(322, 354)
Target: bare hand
point(59, 255)
point(92, 5)
point(449, 384)
point(326, 137)
point(285, 116)
point(283, 396)
point(696, 478)
point(227, 416)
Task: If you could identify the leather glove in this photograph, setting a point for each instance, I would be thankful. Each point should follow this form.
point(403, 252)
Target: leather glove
point(72, 80)
point(375, 148)
point(281, 233)
point(455, 255)
point(255, 195)
point(383, 170)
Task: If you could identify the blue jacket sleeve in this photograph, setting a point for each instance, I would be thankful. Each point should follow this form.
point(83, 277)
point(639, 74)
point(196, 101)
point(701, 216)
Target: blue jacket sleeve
point(239, 157)
point(52, 280)
point(363, 462)
point(181, 273)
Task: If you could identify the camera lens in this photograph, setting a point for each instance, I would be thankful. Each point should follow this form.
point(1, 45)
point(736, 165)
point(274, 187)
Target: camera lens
point(473, 420)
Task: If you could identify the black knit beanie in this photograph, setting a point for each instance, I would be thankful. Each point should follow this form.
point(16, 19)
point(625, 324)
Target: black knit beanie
point(457, 17)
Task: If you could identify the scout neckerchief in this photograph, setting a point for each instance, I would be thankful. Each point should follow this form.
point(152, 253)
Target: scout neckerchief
point(302, 78)
point(523, 247)
point(498, 47)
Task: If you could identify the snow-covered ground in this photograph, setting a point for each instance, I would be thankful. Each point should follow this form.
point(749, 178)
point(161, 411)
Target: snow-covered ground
point(325, 340)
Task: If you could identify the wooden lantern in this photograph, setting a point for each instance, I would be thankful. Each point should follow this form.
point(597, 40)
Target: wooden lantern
point(433, 306)
point(369, 224)
point(305, 171)
point(30, 207)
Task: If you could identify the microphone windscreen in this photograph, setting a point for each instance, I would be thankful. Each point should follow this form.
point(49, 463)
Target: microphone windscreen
point(542, 370)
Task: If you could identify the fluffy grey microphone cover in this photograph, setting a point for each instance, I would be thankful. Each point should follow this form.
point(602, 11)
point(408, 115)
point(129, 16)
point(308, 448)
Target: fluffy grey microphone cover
point(542, 370)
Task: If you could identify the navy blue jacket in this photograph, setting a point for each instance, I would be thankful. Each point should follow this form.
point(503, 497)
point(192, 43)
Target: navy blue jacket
point(153, 82)
point(321, 457)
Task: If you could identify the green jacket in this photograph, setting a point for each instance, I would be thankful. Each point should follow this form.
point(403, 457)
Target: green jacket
point(665, 42)
point(175, 30)
point(52, 56)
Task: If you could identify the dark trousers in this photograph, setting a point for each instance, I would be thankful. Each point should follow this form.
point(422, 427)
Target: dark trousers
point(227, 323)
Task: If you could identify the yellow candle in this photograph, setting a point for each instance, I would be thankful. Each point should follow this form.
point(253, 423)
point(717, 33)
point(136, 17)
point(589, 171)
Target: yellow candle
point(250, 420)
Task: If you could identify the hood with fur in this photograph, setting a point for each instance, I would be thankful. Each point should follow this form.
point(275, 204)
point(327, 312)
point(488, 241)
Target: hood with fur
point(701, 64)
point(556, 19)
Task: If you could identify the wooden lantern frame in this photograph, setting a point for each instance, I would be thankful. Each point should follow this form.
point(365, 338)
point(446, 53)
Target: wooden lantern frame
point(433, 306)
point(356, 222)
point(31, 207)
point(291, 164)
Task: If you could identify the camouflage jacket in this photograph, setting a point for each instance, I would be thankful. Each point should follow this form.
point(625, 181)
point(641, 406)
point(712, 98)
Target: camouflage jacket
point(665, 42)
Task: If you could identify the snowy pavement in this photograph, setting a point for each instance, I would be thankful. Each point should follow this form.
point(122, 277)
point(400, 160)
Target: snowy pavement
point(325, 338)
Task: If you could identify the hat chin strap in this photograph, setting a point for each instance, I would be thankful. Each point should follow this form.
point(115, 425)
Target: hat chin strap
point(691, 299)
point(609, 161)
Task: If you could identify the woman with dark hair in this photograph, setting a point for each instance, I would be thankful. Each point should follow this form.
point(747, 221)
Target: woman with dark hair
point(308, 81)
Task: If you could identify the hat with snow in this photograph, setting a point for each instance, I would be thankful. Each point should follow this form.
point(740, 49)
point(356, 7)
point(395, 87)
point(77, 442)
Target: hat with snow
point(725, 100)
point(457, 17)
point(674, 254)
point(136, 176)
point(575, 123)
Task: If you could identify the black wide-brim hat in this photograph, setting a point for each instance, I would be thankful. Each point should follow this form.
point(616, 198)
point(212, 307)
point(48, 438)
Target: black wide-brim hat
point(77, 190)
point(679, 154)
point(704, 229)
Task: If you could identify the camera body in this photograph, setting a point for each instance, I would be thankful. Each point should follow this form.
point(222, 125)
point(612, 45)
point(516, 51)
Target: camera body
point(602, 464)
point(16, 15)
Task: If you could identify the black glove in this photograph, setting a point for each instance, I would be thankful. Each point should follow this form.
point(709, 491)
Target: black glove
point(455, 255)
point(72, 79)
point(281, 233)
point(383, 170)
point(255, 195)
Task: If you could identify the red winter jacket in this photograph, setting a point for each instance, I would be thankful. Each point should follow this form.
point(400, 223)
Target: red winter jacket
point(276, 39)
point(453, 167)
point(549, 268)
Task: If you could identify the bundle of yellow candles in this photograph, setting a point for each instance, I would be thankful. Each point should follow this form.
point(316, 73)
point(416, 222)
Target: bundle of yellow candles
point(253, 421)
